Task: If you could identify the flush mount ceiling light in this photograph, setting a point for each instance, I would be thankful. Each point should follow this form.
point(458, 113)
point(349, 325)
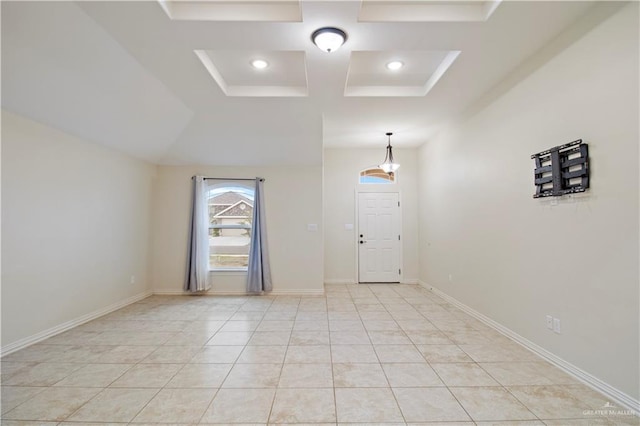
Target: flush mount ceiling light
point(329, 39)
point(395, 65)
point(259, 64)
point(389, 165)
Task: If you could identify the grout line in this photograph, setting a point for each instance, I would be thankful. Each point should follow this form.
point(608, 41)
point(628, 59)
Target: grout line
point(333, 378)
point(395, 398)
point(509, 392)
point(275, 391)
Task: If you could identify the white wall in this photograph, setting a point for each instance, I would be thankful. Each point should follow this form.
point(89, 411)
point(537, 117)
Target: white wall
point(293, 199)
point(74, 227)
point(516, 259)
point(341, 170)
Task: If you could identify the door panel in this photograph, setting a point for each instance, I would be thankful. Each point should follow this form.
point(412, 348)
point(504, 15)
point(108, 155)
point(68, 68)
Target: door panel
point(379, 246)
point(371, 261)
point(370, 222)
point(386, 226)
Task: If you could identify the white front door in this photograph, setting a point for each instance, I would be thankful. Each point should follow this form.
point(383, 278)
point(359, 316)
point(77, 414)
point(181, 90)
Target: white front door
point(379, 237)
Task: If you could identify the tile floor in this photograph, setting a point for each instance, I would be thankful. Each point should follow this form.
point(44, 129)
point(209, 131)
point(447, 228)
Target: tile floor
point(362, 354)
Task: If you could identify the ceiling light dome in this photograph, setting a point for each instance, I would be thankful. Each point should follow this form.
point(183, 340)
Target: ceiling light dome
point(395, 65)
point(329, 39)
point(259, 64)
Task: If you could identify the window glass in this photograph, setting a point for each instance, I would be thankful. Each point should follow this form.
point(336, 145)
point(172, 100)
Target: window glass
point(230, 218)
point(377, 176)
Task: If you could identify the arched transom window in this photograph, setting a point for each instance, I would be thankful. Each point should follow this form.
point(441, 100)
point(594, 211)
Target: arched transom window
point(376, 175)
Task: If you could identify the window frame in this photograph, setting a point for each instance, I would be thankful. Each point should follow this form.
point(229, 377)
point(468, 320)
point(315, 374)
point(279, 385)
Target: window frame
point(222, 187)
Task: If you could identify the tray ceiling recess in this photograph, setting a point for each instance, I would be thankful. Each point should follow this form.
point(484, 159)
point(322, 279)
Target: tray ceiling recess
point(369, 73)
point(284, 73)
point(426, 11)
point(233, 10)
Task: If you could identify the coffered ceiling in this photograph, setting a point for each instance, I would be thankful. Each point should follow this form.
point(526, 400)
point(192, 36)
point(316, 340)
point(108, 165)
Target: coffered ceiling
point(172, 82)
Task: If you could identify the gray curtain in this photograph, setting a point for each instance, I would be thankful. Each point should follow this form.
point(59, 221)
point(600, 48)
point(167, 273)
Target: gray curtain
point(259, 274)
point(198, 252)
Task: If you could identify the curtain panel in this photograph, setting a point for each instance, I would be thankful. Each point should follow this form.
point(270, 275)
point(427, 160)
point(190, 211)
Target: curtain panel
point(197, 278)
point(259, 270)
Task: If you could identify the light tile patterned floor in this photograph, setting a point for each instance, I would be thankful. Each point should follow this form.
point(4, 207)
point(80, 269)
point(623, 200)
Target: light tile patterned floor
point(362, 354)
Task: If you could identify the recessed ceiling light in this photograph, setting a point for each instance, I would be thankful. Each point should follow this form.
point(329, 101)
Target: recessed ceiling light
point(329, 39)
point(259, 64)
point(394, 65)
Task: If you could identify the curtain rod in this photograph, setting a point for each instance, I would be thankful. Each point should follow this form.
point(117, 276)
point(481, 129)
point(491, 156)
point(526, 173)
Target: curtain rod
point(225, 178)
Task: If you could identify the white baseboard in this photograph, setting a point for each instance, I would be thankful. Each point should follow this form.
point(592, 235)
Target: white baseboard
point(175, 293)
point(352, 281)
point(298, 292)
point(38, 337)
point(616, 395)
point(281, 292)
point(340, 281)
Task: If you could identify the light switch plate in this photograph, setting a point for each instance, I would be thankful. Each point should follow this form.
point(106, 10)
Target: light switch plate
point(312, 227)
point(549, 322)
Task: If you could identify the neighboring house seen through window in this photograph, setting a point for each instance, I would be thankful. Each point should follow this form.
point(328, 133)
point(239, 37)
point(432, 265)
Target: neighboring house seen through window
point(230, 220)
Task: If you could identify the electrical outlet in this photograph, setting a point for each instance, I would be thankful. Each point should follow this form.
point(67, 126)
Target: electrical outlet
point(556, 325)
point(549, 322)
point(133, 279)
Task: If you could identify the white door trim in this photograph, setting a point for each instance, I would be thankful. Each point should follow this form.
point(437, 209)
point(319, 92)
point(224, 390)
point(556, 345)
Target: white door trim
point(365, 189)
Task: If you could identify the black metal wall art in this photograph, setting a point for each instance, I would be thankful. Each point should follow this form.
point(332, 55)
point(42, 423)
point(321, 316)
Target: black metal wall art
point(562, 170)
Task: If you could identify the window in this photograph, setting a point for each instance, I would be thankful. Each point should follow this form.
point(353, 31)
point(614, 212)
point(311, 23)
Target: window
point(230, 218)
point(376, 175)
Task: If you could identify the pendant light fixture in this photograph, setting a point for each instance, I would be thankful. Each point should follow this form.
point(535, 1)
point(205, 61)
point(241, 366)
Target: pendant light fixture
point(389, 165)
point(329, 39)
